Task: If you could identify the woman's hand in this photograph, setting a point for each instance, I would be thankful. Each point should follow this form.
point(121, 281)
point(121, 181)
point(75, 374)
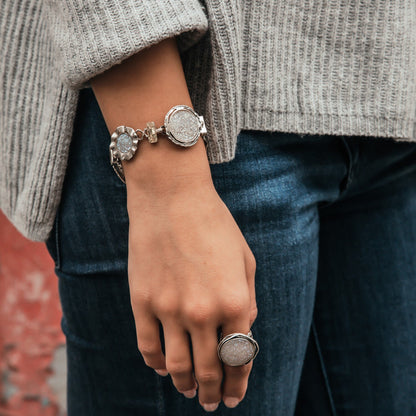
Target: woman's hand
point(189, 265)
point(191, 269)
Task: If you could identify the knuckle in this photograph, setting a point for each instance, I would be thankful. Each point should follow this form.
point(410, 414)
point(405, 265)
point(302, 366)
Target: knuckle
point(236, 307)
point(140, 301)
point(139, 296)
point(208, 377)
point(253, 314)
point(149, 350)
point(244, 370)
point(199, 315)
point(199, 318)
point(241, 373)
point(150, 363)
point(167, 307)
point(178, 368)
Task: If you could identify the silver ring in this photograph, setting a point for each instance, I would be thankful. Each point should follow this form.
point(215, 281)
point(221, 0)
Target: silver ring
point(237, 349)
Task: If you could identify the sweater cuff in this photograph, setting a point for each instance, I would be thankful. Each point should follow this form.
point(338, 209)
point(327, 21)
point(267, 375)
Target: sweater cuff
point(91, 36)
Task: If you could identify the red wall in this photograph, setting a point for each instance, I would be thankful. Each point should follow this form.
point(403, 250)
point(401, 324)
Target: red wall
point(32, 367)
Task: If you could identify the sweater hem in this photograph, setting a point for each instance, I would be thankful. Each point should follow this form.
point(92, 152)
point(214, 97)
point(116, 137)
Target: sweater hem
point(315, 124)
point(330, 124)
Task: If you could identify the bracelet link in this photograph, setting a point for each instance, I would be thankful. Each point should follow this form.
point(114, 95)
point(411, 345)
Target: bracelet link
point(150, 132)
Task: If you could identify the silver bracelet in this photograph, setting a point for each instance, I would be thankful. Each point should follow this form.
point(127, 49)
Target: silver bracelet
point(183, 126)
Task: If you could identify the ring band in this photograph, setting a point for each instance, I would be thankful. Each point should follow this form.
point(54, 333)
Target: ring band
point(237, 349)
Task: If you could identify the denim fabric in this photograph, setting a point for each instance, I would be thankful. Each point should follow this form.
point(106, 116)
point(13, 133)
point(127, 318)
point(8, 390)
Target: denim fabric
point(331, 221)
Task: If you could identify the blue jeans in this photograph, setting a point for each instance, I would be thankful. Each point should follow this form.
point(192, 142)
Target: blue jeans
point(331, 221)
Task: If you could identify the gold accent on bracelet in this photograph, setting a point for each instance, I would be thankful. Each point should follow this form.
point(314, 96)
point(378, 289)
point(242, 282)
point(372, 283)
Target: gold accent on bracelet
point(151, 132)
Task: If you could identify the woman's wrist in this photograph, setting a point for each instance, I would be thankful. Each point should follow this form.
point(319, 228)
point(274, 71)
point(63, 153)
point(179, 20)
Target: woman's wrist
point(167, 167)
point(143, 88)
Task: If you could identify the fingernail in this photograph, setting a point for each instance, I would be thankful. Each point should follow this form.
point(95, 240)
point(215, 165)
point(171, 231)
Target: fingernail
point(231, 401)
point(189, 394)
point(210, 407)
point(163, 373)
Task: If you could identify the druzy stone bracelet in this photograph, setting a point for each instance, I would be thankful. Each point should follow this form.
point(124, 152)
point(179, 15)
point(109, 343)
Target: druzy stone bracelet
point(182, 125)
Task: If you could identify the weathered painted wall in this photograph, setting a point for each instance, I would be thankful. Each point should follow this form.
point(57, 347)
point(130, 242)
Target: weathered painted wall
point(32, 350)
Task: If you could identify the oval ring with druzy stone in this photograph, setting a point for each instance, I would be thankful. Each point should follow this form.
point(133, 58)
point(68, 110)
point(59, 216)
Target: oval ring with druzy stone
point(237, 349)
point(184, 126)
point(124, 142)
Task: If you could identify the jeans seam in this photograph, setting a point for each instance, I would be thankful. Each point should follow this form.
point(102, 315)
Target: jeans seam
point(323, 369)
point(349, 175)
point(57, 241)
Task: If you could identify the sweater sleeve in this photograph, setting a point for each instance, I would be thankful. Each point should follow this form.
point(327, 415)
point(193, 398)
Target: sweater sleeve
point(90, 36)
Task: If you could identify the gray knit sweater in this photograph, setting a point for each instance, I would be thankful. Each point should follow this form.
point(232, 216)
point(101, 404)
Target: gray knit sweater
point(307, 66)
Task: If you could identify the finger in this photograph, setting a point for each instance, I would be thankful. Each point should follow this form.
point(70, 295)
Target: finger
point(148, 339)
point(178, 359)
point(207, 366)
point(250, 266)
point(235, 378)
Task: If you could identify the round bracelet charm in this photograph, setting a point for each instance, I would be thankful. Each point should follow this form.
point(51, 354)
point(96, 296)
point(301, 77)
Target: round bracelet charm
point(124, 142)
point(183, 125)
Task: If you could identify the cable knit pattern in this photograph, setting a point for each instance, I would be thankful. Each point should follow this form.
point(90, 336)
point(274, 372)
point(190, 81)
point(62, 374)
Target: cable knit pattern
point(343, 67)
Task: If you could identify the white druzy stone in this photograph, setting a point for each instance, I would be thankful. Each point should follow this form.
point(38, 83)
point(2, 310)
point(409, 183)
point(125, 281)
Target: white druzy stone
point(184, 126)
point(124, 143)
point(237, 351)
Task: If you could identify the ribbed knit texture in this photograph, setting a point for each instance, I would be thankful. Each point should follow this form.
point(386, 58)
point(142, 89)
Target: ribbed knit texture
point(343, 67)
